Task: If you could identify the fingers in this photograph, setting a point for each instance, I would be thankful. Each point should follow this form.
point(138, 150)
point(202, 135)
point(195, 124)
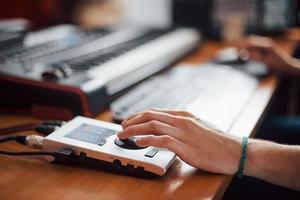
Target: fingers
point(259, 42)
point(256, 56)
point(181, 113)
point(167, 111)
point(162, 142)
point(258, 48)
point(149, 128)
point(186, 115)
point(132, 116)
point(149, 116)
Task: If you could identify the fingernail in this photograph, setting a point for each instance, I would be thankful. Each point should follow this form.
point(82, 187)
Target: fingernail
point(139, 142)
point(136, 140)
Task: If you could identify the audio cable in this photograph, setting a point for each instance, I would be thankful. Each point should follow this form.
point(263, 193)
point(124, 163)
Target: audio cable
point(27, 153)
point(45, 128)
point(33, 141)
point(19, 128)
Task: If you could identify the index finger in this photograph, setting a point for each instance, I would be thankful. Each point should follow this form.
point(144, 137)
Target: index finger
point(148, 128)
point(174, 112)
point(149, 116)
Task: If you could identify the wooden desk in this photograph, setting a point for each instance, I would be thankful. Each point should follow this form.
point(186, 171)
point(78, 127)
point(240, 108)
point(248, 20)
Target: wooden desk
point(34, 178)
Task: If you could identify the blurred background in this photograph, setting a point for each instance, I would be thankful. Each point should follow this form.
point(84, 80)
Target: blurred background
point(215, 18)
point(88, 12)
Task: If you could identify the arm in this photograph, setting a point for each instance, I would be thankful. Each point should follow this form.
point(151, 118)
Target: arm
point(275, 163)
point(206, 148)
point(267, 51)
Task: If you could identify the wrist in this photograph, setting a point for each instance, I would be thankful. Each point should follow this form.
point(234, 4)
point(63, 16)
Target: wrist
point(251, 164)
point(235, 156)
point(258, 158)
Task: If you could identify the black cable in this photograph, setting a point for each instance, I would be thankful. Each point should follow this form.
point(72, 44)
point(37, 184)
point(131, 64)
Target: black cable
point(22, 140)
point(54, 122)
point(9, 138)
point(18, 128)
point(46, 127)
point(28, 153)
point(18, 138)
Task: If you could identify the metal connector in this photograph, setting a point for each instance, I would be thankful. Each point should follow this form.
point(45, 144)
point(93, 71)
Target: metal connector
point(34, 141)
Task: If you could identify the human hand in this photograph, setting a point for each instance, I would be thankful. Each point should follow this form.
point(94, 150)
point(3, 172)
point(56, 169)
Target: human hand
point(193, 140)
point(267, 51)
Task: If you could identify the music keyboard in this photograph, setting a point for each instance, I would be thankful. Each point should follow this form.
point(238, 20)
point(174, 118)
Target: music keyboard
point(84, 72)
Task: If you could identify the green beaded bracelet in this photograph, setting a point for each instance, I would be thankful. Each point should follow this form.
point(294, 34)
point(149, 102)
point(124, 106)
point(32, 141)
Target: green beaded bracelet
point(243, 157)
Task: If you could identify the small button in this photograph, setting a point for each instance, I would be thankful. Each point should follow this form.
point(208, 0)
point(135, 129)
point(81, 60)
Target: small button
point(151, 153)
point(102, 142)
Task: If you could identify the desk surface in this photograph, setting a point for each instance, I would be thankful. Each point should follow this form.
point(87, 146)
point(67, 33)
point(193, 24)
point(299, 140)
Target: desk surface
point(34, 178)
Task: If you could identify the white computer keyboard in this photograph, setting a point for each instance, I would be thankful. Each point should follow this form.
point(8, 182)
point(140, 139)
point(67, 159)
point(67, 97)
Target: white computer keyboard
point(214, 93)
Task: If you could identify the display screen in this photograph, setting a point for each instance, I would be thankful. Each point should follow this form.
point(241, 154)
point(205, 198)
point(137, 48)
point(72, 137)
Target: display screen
point(91, 134)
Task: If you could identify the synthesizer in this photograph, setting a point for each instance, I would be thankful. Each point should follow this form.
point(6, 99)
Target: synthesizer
point(65, 71)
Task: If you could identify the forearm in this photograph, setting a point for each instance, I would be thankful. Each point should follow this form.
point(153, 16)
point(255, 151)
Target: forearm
point(274, 163)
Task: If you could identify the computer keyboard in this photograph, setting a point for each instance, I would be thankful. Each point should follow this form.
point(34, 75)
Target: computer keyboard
point(214, 93)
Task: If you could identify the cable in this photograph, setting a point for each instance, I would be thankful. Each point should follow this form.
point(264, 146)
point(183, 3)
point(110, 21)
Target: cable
point(28, 153)
point(6, 139)
point(46, 127)
point(18, 128)
point(18, 138)
point(33, 141)
point(54, 122)
point(60, 153)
